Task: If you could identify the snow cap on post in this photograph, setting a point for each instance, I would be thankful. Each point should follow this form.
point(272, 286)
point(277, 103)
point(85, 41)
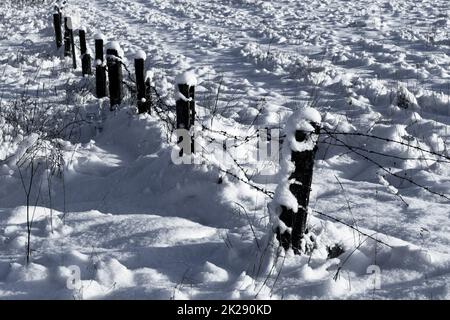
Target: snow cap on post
point(187, 77)
point(100, 36)
point(140, 54)
point(114, 45)
point(69, 23)
point(305, 114)
point(302, 120)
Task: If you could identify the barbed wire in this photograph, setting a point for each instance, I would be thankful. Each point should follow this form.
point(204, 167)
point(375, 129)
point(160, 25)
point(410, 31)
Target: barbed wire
point(161, 106)
point(351, 227)
point(359, 134)
point(390, 172)
point(358, 150)
point(385, 154)
point(166, 113)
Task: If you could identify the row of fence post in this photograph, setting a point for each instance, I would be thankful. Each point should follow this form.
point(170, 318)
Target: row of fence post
point(185, 116)
point(113, 67)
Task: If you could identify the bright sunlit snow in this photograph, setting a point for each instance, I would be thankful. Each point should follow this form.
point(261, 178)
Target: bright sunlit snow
point(111, 215)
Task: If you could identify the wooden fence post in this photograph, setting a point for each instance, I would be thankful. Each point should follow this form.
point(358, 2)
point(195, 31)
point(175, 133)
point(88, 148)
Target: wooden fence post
point(85, 55)
point(72, 41)
point(100, 69)
point(300, 186)
point(141, 88)
point(185, 104)
point(67, 43)
point(192, 104)
point(148, 93)
point(58, 32)
point(193, 113)
point(115, 76)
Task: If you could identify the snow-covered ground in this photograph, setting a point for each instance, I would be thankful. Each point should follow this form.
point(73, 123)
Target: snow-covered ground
point(109, 205)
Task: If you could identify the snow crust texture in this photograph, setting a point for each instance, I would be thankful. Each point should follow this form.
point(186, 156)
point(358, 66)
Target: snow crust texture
point(114, 217)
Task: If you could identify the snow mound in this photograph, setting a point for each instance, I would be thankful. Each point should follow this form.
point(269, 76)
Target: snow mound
point(213, 273)
point(112, 272)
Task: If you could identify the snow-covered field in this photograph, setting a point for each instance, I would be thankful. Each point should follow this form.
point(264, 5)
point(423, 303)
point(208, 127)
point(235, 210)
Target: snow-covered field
point(110, 207)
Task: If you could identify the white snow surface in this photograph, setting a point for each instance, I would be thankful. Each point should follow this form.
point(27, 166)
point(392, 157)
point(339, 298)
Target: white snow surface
point(135, 225)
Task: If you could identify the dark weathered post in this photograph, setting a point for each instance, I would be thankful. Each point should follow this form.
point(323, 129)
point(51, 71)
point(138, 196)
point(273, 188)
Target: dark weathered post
point(148, 93)
point(185, 104)
point(72, 41)
point(58, 32)
point(193, 113)
point(299, 183)
point(100, 68)
point(115, 76)
point(139, 67)
point(67, 43)
point(85, 55)
point(192, 103)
